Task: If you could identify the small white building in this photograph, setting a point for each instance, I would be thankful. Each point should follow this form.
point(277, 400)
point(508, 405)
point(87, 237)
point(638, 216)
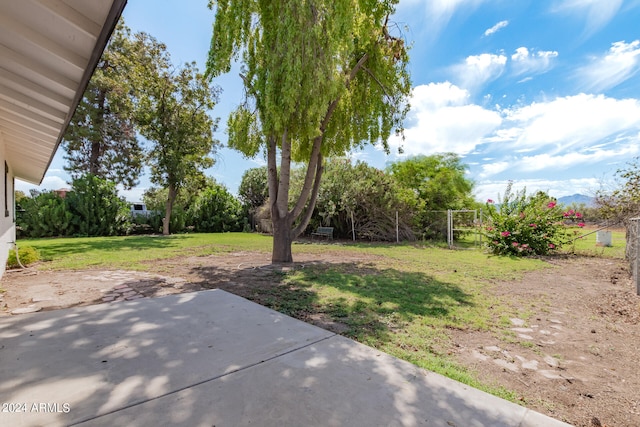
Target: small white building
point(48, 53)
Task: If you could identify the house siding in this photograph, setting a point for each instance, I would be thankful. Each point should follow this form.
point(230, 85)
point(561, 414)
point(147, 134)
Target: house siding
point(7, 223)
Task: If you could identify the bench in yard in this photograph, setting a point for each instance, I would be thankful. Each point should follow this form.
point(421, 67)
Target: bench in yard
point(324, 232)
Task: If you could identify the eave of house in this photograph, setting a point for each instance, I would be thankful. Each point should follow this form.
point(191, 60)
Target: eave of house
point(48, 52)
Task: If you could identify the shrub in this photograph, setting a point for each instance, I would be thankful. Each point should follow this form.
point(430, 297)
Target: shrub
point(96, 207)
point(26, 254)
point(528, 225)
point(45, 215)
point(216, 210)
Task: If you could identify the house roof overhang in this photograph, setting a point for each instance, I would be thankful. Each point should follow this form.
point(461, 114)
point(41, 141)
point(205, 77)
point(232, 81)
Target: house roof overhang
point(48, 52)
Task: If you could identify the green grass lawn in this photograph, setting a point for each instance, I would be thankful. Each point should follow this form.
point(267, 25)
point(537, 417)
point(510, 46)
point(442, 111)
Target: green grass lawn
point(585, 244)
point(403, 299)
point(131, 252)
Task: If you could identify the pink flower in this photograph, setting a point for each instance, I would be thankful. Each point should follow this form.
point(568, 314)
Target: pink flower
point(551, 205)
point(532, 225)
point(515, 244)
point(489, 228)
point(578, 215)
point(505, 234)
point(552, 246)
point(581, 224)
point(490, 201)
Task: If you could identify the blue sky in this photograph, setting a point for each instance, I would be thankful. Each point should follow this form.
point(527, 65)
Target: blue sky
point(544, 93)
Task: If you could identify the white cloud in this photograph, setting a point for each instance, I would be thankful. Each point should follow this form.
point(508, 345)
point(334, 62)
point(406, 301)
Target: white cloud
point(538, 62)
point(443, 120)
point(500, 25)
point(619, 64)
point(50, 182)
point(490, 169)
point(574, 121)
point(597, 13)
point(547, 161)
point(476, 70)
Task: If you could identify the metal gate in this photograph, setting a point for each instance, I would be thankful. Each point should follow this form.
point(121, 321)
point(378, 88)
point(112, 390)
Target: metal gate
point(469, 223)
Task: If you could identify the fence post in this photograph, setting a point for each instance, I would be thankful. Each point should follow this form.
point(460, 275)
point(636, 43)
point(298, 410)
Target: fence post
point(450, 228)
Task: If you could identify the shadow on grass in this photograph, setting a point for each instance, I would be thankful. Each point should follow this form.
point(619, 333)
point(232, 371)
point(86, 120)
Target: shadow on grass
point(362, 302)
point(72, 246)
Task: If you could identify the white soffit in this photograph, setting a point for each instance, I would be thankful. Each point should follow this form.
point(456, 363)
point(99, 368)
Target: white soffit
point(48, 52)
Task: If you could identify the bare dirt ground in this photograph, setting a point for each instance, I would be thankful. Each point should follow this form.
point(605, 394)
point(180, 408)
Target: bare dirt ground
point(572, 353)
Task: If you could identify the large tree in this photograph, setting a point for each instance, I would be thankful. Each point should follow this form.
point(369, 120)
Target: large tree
point(101, 138)
point(174, 117)
point(322, 77)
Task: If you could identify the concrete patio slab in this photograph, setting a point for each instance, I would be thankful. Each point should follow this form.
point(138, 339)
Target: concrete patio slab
point(212, 358)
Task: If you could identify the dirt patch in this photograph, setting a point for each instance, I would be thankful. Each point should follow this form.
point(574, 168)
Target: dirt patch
point(571, 351)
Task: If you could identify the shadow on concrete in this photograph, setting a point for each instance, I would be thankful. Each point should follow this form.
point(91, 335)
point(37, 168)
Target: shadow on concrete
point(212, 358)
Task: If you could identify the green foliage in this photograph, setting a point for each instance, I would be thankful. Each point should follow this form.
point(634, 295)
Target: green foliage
point(321, 78)
point(101, 137)
point(44, 214)
point(254, 188)
point(26, 254)
point(438, 183)
point(364, 192)
point(216, 210)
point(624, 202)
point(96, 207)
point(174, 117)
point(156, 199)
point(528, 225)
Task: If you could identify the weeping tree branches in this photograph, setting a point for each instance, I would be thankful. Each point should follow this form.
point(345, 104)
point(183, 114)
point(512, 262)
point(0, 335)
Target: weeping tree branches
point(322, 78)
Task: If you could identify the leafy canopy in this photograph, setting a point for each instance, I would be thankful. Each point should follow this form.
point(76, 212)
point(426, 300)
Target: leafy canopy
point(101, 137)
point(315, 68)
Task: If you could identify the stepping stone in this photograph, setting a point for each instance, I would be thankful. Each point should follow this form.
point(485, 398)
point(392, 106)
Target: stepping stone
point(551, 361)
point(532, 365)
point(559, 322)
point(131, 298)
point(492, 348)
point(517, 322)
point(479, 355)
point(522, 330)
point(506, 365)
point(525, 337)
point(26, 310)
point(550, 375)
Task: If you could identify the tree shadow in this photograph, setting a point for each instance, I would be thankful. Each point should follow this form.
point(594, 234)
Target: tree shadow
point(363, 302)
point(108, 244)
point(211, 358)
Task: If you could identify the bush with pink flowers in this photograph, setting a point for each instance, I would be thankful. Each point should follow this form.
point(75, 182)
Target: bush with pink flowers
point(524, 225)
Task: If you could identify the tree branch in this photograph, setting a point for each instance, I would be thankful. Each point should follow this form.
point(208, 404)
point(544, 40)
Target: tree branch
point(312, 203)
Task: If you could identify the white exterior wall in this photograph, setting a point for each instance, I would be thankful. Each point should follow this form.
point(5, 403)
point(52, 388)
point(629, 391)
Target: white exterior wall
point(7, 223)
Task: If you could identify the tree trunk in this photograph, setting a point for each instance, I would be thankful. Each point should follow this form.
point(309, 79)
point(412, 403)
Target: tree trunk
point(281, 251)
point(168, 208)
point(97, 143)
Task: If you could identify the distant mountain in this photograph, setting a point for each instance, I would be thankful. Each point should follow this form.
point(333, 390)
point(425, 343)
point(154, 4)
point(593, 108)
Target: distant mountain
point(577, 199)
